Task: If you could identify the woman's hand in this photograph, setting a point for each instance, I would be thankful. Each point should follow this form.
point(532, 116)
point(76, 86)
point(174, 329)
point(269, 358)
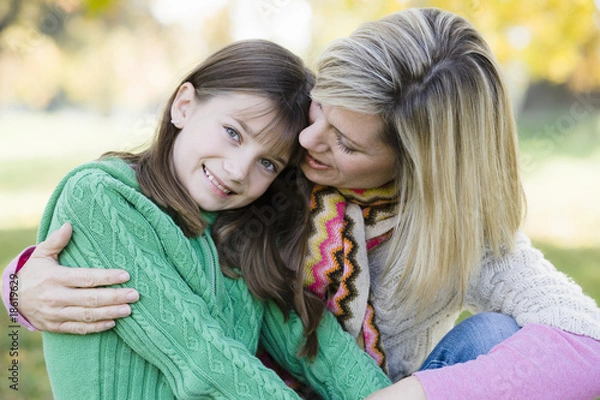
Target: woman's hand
point(62, 299)
point(408, 388)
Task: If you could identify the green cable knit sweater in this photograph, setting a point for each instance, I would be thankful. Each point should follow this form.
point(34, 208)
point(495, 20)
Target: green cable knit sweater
point(194, 332)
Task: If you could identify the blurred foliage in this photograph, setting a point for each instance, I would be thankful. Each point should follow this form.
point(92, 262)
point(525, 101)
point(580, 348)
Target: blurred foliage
point(103, 54)
point(117, 55)
point(553, 40)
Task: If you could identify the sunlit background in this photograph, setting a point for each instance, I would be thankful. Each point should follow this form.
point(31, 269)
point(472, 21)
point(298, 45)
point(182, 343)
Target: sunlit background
point(79, 77)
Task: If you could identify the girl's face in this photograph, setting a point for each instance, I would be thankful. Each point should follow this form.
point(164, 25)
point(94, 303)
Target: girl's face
point(345, 149)
point(217, 155)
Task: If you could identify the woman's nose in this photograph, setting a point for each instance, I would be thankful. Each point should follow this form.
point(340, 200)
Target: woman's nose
point(313, 137)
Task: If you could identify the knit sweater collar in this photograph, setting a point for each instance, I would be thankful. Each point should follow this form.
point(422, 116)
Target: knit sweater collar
point(126, 173)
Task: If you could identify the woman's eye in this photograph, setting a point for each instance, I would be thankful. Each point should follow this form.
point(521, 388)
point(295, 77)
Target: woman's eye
point(343, 147)
point(269, 165)
point(232, 133)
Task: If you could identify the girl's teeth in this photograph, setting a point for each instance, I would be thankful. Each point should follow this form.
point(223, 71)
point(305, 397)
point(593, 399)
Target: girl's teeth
point(217, 184)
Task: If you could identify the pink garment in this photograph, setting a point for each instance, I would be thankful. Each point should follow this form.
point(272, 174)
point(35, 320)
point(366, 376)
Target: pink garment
point(537, 362)
point(12, 268)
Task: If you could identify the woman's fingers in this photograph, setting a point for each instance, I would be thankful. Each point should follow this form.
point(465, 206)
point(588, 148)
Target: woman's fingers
point(82, 328)
point(47, 290)
point(78, 320)
point(90, 316)
point(54, 243)
point(90, 277)
point(46, 253)
point(93, 298)
point(68, 300)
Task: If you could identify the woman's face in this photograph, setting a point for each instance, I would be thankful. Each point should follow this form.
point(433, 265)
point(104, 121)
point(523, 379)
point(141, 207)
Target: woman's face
point(345, 149)
point(219, 155)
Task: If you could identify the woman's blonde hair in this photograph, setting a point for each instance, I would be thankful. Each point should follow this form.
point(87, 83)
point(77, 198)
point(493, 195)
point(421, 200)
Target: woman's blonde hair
point(437, 86)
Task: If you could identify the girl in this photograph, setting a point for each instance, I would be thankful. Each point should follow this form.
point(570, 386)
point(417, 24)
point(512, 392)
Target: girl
point(226, 139)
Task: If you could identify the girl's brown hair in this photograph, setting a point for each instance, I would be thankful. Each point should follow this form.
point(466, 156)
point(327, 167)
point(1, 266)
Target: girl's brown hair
point(265, 241)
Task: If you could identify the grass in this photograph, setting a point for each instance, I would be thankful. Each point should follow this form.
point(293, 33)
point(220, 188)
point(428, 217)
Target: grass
point(560, 173)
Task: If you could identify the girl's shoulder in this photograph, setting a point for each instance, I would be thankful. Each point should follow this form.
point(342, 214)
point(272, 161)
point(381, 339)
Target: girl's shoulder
point(94, 185)
point(108, 170)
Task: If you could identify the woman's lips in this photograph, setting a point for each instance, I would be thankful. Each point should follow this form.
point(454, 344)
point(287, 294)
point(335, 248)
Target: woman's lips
point(314, 163)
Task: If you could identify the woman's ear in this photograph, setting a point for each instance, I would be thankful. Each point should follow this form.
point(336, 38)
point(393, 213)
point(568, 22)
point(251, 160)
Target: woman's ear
point(181, 107)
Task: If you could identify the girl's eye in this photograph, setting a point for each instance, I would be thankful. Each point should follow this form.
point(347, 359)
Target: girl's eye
point(343, 147)
point(232, 133)
point(268, 165)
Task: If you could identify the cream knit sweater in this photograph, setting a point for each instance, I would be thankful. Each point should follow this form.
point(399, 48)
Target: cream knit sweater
point(522, 284)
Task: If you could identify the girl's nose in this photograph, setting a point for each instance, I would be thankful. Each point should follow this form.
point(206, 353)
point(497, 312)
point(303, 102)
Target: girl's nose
point(237, 168)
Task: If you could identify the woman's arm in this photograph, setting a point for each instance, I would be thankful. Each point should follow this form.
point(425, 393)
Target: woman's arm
point(11, 290)
point(524, 285)
point(340, 369)
point(60, 299)
point(537, 362)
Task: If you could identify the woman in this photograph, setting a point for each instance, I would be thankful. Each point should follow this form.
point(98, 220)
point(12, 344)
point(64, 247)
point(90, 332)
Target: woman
point(172, 213)
point(416, 216)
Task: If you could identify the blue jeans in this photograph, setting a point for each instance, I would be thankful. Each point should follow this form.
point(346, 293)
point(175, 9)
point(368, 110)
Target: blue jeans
point(472, 337)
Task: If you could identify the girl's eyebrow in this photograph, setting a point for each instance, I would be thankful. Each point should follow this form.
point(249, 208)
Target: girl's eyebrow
point(280, 160)
point(250, 132)
point(278, 157)
point(245, 127)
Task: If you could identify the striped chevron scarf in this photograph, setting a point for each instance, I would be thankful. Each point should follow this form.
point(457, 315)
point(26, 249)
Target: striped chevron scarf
point(346, 224)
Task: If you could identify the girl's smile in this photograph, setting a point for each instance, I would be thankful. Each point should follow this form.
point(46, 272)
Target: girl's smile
point(221, 188)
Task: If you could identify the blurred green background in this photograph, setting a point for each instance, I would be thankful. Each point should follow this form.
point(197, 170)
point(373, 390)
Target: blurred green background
point(79, 77)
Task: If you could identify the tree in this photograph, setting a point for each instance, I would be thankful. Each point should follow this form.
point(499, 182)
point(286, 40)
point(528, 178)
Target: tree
point(551, 40)
point(14, 6)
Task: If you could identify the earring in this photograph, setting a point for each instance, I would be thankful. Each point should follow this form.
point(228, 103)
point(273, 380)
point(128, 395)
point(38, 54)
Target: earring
point(175, 123)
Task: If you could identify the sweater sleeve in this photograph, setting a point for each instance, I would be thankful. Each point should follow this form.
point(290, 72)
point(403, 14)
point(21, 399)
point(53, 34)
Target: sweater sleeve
point(561, 332)
point(538, 362)
point(526, 286)
point(10, 288)
point(172, 326)
point(340, 369)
